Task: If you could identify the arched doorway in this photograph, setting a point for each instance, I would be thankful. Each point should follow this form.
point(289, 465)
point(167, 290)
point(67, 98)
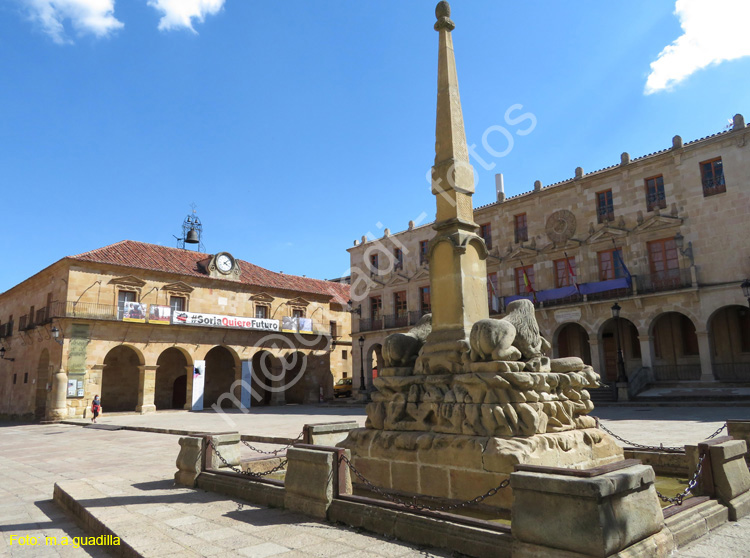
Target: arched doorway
point(729, 331)
point(373, 363)
point(265, 376)
point(220, 375)
point(120, 380)
point(42, 379)
point(676, 355)
point(573, 340)
point(631, 348)
point(171, 380)
point(297, 381)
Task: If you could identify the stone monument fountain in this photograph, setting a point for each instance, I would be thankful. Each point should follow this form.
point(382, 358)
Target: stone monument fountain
point(464, 398)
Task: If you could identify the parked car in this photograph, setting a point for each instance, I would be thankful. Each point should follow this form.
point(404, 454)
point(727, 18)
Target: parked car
point(343, 388)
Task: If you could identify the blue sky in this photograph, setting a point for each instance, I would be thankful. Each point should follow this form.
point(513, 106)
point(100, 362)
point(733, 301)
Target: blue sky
point(296, 127)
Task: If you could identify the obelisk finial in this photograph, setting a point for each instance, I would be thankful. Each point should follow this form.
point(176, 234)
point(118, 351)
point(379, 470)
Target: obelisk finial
point(443, 14)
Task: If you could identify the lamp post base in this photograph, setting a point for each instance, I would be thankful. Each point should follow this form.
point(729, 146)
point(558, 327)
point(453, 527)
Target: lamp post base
point(622, 391)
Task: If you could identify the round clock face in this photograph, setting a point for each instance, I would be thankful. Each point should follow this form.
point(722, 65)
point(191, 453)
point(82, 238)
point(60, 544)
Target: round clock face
point(224, 263)
point(561, 225)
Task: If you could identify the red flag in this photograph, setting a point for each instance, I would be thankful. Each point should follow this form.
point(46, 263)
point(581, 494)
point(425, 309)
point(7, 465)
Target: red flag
point(571, 273)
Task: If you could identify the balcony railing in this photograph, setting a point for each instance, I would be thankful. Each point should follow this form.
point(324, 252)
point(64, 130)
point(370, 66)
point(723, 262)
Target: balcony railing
point(391, 321)
point(677, 372)
point(88, 310)
point(6, 329)
point(605, 213)
point(732, 371)
point(714, 185)
point(665, 281)
point(656, 199)
point(396, 320)
point(43, 316)
point(25, 323)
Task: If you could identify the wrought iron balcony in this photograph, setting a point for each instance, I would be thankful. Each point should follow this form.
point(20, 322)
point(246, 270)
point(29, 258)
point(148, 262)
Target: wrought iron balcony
point(605, 213)
point(714, 184)
point(43, 316)
point(656, 199)
point(26, 323)
point(665, 281)
point(87, 310)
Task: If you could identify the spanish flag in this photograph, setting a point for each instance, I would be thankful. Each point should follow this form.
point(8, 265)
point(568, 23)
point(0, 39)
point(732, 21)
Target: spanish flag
point(529, 287)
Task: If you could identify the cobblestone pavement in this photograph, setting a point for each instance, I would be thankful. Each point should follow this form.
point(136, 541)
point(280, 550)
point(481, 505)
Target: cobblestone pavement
point(33, 457)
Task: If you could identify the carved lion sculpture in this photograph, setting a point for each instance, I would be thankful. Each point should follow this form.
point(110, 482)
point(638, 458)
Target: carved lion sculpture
point(514, 337)
point(493, 340)
point(402, 349)
point(528, 339)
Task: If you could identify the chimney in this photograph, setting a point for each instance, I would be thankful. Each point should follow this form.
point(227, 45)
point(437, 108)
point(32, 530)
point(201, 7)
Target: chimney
point(500, 188)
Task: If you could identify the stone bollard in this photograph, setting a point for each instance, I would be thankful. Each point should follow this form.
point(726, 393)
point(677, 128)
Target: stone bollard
point(228, 445)
point(311, 479)
point(731, 477)
point(328, 434)
point(189, 461)
point(561, 512)
point(740, 430)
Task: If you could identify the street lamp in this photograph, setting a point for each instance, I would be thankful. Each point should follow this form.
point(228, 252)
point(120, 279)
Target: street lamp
point(679, 241)
point(746, 290)
point(621, 376)
point(362, 387)
point(56, 335)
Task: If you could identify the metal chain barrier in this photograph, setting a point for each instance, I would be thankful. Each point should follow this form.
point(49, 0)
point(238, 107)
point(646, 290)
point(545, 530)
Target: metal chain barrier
point(413, 503)
point(276, 469)
point(691, 485)
point(718, 431)
point(274, 452)
point(660, 447)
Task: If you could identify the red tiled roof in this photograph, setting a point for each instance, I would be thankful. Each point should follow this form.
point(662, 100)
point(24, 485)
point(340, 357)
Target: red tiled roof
point(140, 255)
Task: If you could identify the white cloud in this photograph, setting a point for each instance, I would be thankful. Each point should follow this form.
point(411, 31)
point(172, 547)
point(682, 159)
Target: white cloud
point(713, 33)
point(180, 13)
point(86, 16)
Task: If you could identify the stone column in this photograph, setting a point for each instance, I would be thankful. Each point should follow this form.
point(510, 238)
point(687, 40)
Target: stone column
point(458, 271)
point(189, 388)
point(59, 410)
point(647, 350)
point(704, 350)
point(147, 385)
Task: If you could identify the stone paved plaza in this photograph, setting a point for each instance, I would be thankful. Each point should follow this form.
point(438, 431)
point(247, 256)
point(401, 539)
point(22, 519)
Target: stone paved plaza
point(129, 474)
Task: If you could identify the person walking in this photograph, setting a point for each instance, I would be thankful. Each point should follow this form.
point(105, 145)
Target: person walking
point(96, 407)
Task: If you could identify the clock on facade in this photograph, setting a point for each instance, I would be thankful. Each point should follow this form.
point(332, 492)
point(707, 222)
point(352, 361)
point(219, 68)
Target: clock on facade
point(224, 263)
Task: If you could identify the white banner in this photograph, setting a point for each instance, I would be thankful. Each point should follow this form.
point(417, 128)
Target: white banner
point(199, 380)
point(216, 320)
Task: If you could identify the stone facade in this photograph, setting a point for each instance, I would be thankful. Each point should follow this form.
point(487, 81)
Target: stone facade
point(683, 317)
point(149, 366)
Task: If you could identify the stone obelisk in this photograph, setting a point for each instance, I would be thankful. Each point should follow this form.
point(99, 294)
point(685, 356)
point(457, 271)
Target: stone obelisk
point(458, 272)
point(462, 400)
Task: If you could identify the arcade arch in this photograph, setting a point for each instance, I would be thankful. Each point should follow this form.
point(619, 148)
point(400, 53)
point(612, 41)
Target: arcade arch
point(630, 345)
point(571, 340)
point(121, 379)
point(170, 391)
point(221, 372)
point(676, 353)
point(729, 329)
